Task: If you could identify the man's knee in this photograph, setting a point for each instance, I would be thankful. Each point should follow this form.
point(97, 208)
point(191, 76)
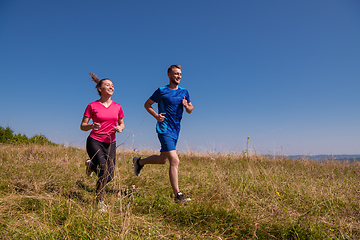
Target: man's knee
point(167, 156)
point(173, 159)
point(163, 160)
point(174, 162)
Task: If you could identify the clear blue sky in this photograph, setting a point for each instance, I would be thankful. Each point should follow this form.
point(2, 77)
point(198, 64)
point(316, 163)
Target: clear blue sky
point(285, 73)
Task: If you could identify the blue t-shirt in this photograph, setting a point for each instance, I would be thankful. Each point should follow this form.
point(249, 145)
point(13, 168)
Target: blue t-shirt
point(170, 102)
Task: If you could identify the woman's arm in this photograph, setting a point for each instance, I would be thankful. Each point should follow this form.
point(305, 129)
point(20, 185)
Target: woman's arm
point(121, 125)
point(85, 126)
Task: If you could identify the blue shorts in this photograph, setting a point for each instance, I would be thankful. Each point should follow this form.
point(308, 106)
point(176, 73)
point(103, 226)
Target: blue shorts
point(168, 143)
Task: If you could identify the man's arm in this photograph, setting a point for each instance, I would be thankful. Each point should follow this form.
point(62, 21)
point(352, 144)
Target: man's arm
point(148, 106)
point(188, 106)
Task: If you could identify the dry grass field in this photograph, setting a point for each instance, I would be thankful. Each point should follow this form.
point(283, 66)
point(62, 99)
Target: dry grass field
point(45, 194)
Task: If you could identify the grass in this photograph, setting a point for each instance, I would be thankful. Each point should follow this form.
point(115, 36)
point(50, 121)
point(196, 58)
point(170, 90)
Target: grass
point(45, 194)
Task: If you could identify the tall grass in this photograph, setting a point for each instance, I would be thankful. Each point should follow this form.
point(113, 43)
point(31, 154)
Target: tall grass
point(45, 194)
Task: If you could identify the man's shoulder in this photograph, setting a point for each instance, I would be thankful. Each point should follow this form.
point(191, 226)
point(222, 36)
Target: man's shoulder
point(166, 90)
point(163, 89)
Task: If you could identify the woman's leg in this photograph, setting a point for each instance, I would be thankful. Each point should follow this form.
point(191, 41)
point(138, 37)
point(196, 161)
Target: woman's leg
point(111, 162)
point(103, 156)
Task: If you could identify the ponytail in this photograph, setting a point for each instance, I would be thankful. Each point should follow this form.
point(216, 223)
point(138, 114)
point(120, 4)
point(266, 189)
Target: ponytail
point(94, 78)
point(97, 81)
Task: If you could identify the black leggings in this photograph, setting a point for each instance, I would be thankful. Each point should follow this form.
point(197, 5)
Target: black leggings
point(103, 156)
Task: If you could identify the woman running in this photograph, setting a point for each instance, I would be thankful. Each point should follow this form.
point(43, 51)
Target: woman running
point(107, 119)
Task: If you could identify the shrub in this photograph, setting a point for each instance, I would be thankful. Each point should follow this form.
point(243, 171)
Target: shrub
point(7, 136)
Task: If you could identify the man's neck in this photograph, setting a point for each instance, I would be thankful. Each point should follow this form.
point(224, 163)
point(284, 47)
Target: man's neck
point(173, 86)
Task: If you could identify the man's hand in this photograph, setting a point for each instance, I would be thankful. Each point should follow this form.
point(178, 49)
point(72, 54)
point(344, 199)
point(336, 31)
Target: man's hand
point(160, 117)
point(185, 103)
point(188, 106)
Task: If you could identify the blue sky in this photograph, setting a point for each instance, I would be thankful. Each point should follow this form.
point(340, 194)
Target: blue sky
point(285, 73)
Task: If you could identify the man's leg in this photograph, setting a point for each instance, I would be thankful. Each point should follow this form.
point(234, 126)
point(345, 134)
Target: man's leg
point(174, 161)
point(154, 159)
point(173, 170)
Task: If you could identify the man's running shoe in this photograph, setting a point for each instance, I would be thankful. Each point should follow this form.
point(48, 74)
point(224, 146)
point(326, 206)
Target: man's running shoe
point(88, 165)
point(137, 166)
point(180, 198)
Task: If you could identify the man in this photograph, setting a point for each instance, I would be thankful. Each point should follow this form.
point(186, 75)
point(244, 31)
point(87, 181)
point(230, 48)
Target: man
point(171, 101)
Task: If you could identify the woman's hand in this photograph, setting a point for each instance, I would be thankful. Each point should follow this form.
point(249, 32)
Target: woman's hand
point(121, 125)
point(118, 129)
point(86, 126)
point(96, 126)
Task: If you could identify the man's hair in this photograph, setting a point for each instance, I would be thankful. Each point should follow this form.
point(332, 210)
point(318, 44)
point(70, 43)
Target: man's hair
point(174, 66)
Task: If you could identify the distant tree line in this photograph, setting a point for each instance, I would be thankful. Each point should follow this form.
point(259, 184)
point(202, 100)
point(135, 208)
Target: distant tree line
point(7, 136)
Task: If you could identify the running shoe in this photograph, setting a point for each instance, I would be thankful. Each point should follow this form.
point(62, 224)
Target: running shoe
point(102, 207)
point(180, 198)
point(88, 164)
point(137, 166)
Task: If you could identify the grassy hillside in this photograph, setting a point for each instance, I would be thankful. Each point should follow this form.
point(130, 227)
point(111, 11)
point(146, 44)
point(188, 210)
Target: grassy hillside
point(45, 194)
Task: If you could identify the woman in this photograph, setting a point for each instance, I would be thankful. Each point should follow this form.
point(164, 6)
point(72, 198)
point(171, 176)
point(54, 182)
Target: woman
point(107, 119)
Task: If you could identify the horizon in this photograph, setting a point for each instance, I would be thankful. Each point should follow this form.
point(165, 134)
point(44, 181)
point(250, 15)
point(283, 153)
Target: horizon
point(244, 152)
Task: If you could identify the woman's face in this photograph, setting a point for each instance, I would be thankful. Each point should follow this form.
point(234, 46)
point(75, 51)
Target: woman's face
point(107, 88)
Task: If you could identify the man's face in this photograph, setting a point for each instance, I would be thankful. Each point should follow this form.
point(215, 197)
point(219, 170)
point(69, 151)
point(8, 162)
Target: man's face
point(175, 76)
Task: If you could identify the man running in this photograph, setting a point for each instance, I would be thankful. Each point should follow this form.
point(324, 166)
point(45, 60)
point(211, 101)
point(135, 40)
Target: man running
point(171, 100)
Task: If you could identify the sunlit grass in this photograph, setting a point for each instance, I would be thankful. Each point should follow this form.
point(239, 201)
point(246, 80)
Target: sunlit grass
point(45, 194)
